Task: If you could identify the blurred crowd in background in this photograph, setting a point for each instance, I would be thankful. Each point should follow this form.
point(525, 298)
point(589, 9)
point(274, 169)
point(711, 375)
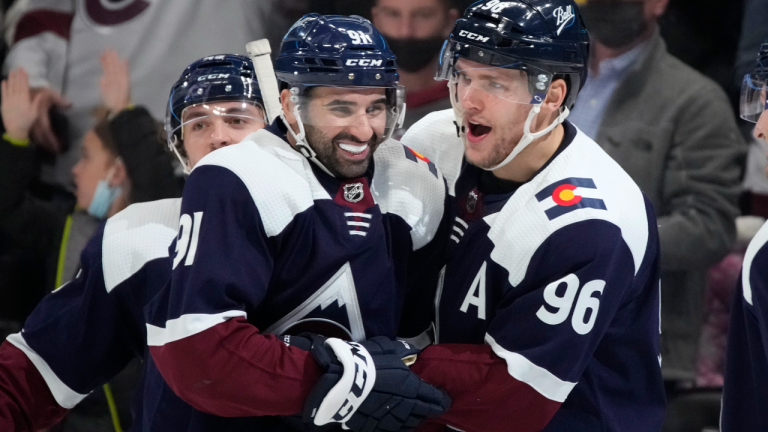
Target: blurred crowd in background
point(86, 85)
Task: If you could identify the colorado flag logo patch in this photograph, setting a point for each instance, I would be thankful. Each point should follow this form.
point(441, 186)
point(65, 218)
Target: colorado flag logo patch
point(565, 195)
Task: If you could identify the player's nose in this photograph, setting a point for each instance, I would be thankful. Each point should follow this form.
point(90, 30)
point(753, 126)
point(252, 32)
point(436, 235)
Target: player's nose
point(220, 136)
point(362, 129)
point(471, 100)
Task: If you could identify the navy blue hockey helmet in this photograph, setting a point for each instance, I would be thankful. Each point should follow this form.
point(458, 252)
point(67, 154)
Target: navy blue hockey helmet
point(345, 52)
point(335, 50)
point(753, 88)
point(544, 38)
point(211, 79)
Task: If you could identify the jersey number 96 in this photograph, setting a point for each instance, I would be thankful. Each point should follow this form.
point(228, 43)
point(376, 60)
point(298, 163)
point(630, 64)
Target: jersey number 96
point(585, 312)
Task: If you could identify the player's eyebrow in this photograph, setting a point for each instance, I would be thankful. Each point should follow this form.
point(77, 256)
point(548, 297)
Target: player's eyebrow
point(195, 114)
point(236, 110)
point(340, 102)
point(381, 100)
point(229, 111)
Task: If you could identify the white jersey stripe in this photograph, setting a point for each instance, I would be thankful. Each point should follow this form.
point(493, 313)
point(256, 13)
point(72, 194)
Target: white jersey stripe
point(363, 215)
point(459, 220)
point(542, 380)
point(754, 247)
point(362, 224)
point(187, 325)
point(65, 396)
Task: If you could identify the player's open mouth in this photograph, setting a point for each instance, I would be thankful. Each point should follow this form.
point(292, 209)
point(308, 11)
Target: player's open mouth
point(354, 150)
point(476, 132)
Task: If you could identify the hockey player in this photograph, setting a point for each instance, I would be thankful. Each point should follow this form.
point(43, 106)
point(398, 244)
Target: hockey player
point(318, 222)
point(548, 309)
point(746, 367)
point(84, 333)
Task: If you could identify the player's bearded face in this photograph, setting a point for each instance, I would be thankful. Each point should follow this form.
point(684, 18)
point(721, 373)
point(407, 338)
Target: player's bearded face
point(344, 127)
point(490, 101)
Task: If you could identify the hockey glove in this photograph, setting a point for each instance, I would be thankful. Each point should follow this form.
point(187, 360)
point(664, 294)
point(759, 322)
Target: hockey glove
point(367, 387)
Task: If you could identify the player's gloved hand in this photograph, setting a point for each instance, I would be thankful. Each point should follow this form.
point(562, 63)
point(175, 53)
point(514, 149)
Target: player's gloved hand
point(367, 387)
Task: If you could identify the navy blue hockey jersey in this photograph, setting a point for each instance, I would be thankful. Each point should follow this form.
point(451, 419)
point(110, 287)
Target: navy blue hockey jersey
point(547, 313)
point(281, 247)
point(85, 332)
point(745, 395)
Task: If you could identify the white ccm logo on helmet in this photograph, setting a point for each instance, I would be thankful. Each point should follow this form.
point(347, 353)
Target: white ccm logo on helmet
point(473, 36)
point(213, 76)
point(364, 62)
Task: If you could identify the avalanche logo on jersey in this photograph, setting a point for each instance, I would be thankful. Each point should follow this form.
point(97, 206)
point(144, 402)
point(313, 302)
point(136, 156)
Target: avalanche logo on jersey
point(332, 311)
point(566, 200)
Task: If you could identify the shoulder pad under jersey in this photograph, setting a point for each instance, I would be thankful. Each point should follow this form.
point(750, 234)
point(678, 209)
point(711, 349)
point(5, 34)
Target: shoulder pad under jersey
point(139, 234)
point(409, 185)
point(582, 183)
point(435, 136)
point(278, 178)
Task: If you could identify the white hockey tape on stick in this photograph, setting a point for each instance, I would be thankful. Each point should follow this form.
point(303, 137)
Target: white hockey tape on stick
point(259, 52)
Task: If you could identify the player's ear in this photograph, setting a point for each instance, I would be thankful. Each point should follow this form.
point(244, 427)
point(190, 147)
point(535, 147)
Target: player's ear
point(285, 101)
point(555, 96)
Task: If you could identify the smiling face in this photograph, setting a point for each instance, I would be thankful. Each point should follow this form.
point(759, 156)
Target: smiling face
point(207, 127)
point(494, 103)
point(344, 126)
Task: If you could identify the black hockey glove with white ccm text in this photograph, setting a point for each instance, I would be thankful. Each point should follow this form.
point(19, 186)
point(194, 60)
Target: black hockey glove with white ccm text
point(366, 387)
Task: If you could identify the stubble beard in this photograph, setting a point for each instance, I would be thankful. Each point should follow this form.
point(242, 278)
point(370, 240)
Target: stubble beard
point(498, 154)
point(327, 153)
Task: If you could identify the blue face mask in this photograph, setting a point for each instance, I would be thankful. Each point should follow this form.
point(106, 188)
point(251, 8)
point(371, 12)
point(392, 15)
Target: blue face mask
point(103, 198)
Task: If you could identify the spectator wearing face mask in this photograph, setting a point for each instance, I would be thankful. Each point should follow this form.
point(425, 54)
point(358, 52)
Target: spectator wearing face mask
point(122, 162)
point(416, 30)
point(673, 131)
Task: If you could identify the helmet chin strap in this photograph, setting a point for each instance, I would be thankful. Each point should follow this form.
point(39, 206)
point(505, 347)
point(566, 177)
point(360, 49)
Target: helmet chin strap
point(301, 142)
point(528, 137)
point(184, 162)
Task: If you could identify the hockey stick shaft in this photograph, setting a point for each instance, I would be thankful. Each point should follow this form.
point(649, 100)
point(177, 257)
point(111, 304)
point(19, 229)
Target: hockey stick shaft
point(259, 51)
